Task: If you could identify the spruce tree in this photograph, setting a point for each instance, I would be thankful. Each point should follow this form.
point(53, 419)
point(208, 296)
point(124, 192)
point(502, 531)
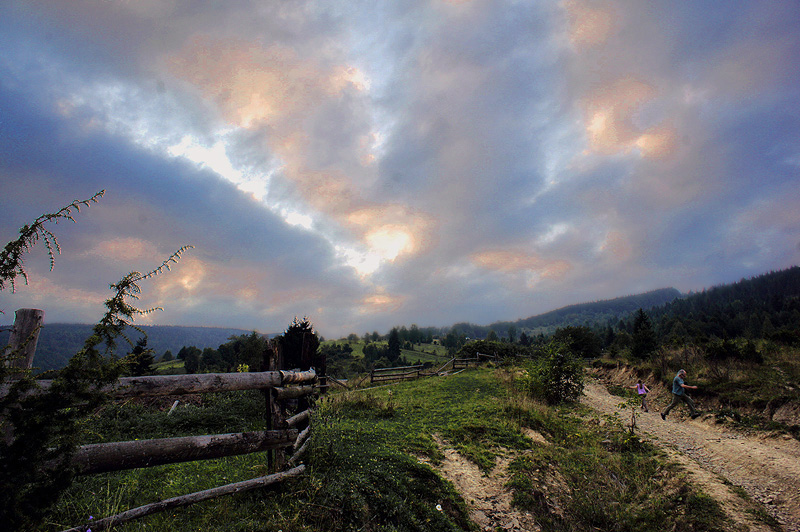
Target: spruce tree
point(393, 353)
point(644, 338)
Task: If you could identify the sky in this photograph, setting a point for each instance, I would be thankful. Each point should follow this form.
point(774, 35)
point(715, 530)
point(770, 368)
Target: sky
point(371, 164)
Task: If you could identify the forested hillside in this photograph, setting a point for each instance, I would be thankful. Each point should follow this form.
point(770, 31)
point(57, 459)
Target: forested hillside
point(599, 312)
point(59, 341)
point(766, 306)
point(594, 314)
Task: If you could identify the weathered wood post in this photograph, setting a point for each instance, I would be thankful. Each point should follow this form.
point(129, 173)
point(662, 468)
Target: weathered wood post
point(22, 347)
point(275, 417)
point(24, 337)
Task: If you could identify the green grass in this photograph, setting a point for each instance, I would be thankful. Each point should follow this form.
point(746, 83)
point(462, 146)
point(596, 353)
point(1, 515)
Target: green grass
point(600, 477)
point(364, 472)
point(425, 352)
point(171, 367)
point(424, 356)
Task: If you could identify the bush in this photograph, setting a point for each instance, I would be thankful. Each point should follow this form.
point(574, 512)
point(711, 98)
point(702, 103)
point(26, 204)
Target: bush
point(556, 377)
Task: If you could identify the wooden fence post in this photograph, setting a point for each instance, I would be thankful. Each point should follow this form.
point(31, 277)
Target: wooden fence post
point(22, 345)
point(272, 365)
point(24, 336)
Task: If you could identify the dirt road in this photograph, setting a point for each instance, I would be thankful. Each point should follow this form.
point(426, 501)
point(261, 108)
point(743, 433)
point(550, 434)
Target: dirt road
point(767, 468)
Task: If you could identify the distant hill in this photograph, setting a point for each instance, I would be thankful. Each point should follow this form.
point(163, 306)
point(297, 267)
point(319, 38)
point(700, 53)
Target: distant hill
point(594, 314)
point(598, 312)
point(59, 341)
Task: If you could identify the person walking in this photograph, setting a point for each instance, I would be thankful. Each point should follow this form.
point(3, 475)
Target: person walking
point(679, 394)
point(642, 390)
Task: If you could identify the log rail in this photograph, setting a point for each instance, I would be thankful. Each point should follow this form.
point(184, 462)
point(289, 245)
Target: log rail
point(292, 434)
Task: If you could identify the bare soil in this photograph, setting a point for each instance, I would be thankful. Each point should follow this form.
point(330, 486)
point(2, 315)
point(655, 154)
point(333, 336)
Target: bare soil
point(750, 474)
point(487, 497)
point(718, 457)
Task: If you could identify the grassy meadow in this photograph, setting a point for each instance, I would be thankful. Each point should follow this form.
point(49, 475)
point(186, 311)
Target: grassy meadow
point(365, 470)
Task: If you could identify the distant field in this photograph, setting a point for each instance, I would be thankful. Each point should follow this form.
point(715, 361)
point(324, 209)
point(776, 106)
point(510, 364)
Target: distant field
point(429, 355)
point(423, 352)
point(173, 367)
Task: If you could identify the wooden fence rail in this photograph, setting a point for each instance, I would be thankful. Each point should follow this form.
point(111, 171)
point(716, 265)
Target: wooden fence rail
point(116, 456)
point(185, 500)
point(413, 372)
point(460, 363)
point(155, 385)
point(280, 386)
point(393, 374)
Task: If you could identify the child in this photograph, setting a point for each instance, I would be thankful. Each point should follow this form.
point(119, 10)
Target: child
point(642, 390)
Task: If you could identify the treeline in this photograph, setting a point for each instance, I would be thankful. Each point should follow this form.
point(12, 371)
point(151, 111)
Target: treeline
point(592, 314)
point(766, 306)
point(298, 345)
point(378, 351)
point(240, 353)
point(724, 321)
point(595, 315)
point(407, 335)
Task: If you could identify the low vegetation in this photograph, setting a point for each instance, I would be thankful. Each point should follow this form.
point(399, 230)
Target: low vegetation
point(744, 391)
point(367, 470)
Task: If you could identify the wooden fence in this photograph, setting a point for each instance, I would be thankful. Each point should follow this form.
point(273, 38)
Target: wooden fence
point(413, 372)
point(461, 363)
point(283, 436)
point(395, 374)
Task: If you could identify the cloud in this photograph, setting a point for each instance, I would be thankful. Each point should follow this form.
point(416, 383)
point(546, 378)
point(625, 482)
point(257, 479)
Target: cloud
point(298, 103)
point(589, 24)
point(394, 163)
point(534, 267)
point(151, 208)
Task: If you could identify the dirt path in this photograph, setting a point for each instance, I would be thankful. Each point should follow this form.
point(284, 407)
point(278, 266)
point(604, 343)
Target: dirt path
point(487, 496)
point(767, 468)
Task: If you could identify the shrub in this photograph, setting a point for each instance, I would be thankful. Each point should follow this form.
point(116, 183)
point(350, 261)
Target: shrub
point(556, 377)
point(502, 350)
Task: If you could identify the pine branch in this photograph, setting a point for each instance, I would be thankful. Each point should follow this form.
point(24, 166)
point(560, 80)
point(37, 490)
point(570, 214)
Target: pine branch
point(11, 258)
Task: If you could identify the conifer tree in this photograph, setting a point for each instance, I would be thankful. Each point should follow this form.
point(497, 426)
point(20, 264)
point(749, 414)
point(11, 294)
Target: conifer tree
point(42, 428)
point(299, 345)
point(393, 353)
point(644, 338)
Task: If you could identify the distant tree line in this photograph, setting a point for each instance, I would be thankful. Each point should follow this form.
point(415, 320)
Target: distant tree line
point(766, 307)
point(299, 347)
